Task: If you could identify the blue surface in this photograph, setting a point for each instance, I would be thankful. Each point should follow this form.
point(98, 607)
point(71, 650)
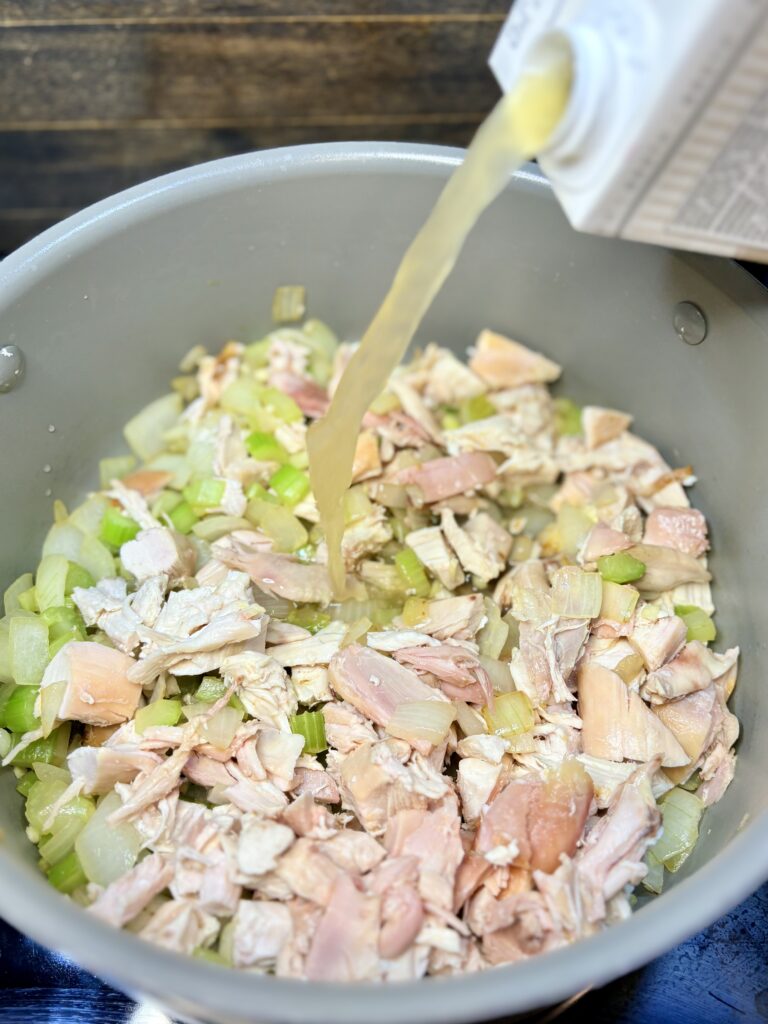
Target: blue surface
point(717, 977)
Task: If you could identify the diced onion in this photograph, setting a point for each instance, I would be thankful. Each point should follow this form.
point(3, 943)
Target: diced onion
point(96, 558)
point(51, 581)
point(87, 517)
point(280, 524)
point(493, 635)
point(471, 721)
point(51, 697)
point(619, 601)
point(6, 742)
point(144, 432)
point(427, 720)
point(213, 527)
point(11, 598)
point(499, 674)
point(67, 826)
point(512, 715)
point(576, 594)
point(220, 729)
point(115, 468)
point(64, 539)
point(654, 876)
point(107, 851)
point(29, 649)
point(356, 632)
point(681, 813)
point(573, 525)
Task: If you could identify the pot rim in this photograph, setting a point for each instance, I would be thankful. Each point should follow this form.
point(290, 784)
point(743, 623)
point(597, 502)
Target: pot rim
point(191, 986)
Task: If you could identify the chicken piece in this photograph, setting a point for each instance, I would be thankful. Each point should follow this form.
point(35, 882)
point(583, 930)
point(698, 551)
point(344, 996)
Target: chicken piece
point(445, 477)
point(488, 748)
point(442, 378)
point(263, 687)
point(454, 670)
point(259, 797)
point(682, 528)
point(126, 897)
point(202, 652)
point(617, 725)
point(532, 931)
point(367, 460)
point(503, 363)
point(454, 618)
point(281, 575)
point(317, 784)
point(98, 686)
point(602, 540)
point(601, 425)
point(533, 821)
point(215, 374)
point(345, 945)
point(345, 728)
point(397, 429)
point(181, 926)
point(310, 683)
point(365, 536)
point(500, 433)
point(657, 642)
point(186, 611)
point(261, 844)
point(549, 654)
point(364, 787)
point(308, 872)
point(713, 788)
point(694, 668)
point(260, 930)
point(307, 818)
point(98, 769)
point(433, 552)
point(666, 568)
point(148, 789)
point(109, 606)
point(285, 633)
point(391, 640)
point(375, 684)
point(396, 881)
point(133, 504)
point(311, 650)
point(693, 720)
point(312, 399)
point(218, 893)
point(482, 546)
point(613, 851)
point(158, 550)
point(278, 752)
point(433, 837)
point(476, 780)
point(148, 482)
point(204, 771)
point(414, 406)
point(354, 852)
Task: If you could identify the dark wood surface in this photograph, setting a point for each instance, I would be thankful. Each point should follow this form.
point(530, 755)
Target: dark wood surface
point(98, 95)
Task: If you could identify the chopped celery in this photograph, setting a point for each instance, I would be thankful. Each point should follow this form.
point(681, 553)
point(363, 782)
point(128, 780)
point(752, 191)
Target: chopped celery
point(165, 503)
point(479, 407)
point(11, 598)
point(19, 713)
point(51, 581)
point(211, 689)
point(383, 577)
point(117, 528)
point(115, 469)
point(51, 750)
point(265, 447)
point(356, 632)
point(289, 303)
point(256, 490)
point(308, 617)
point(159, 712)
point(278, 523)
point(6, 689)
point(68, 874)
point(280, 405)
point(291, 485)
point(205, 494)
point(412, 572)
point(699, 625)
point(182, 517)
point(299, 460)
point(620, 567)
point(66, 827)
point(512, 714)
point(450, 420)
point(242, 398)
point(28, 639)
point(144, 432)
point(576, 594)
point(77, 576)
point(306, 553)
point(415, 611)
point(680, 812)
point(25, 783)
point(213, 527)
point(210, 956)
point(567, 417)
point(64, 638)
point(310, 725)
point(28, 601)
point(654, 876)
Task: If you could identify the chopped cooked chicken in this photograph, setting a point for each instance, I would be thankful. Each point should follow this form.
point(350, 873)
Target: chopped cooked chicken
point(503, 363)
point(461, 761)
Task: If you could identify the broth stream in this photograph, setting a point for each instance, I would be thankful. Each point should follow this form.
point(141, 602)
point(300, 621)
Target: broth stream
point(516, 129)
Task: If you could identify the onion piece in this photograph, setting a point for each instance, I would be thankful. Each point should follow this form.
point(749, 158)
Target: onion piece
point(576, 594)
point(144, 432)
point(499, 673)
point(107, 851)
point(427, 720)
point(220, 729)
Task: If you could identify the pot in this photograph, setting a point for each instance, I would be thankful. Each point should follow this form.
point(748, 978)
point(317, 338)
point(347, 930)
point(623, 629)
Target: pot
point(104, 305)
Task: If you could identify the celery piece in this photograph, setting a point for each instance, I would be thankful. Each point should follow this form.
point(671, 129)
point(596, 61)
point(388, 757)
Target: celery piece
point(67, 826)
point(278, 523)
point(567, 417)
point(19, 714)
point(114, 469)
point(256, 355)
point(213, 527)
point(308, 617)
point(11, 598)
point(280, 405)
point(182, 517)
point(412, 572)
point(159, 712)
point(68, 874)
point(699, 625)
point(291, 485)
point(66, 637)
point(256, 490)
point(144, 433)
point(28, 601)
point(289, 303)
point(310, 725)
point(77, 576)
point(450, 421)
point(205, 494)
point(51, 580)
point(620, 567)
point(357, 504)
point(51, 750)
point(265, 447)
point(117, 528)
point(681, 813)
point(165, 503)
point(512, 714)
point(299, 460)
point(25, 783)
point(415, 611)
point(493, 635)
point(210, 956)
point(242, 398)
point(479, 407)
point(211, 689)
point(87, 517)
point(28, 639)
point(6, 689)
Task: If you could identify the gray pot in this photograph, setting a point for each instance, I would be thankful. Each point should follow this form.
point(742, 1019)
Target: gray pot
point(104, 305)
